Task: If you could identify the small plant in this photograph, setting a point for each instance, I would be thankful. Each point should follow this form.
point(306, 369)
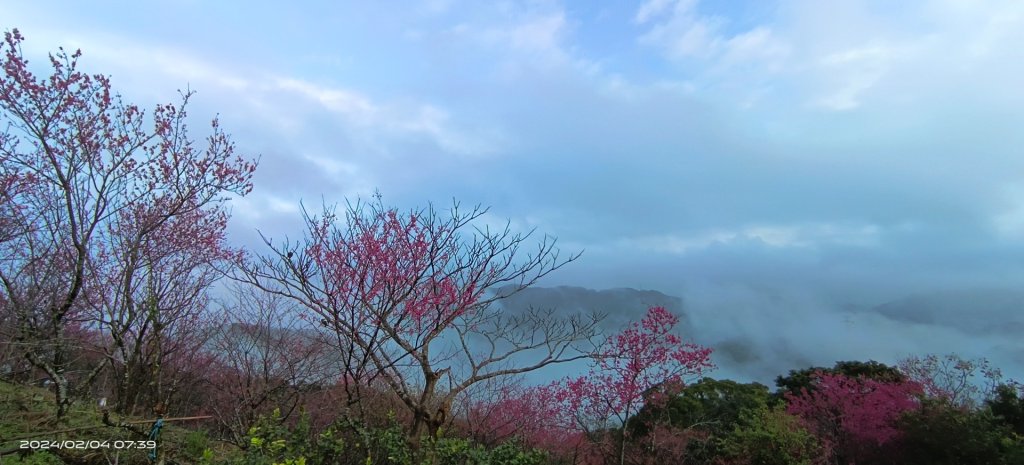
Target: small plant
point(271, 441)
point(195, 444)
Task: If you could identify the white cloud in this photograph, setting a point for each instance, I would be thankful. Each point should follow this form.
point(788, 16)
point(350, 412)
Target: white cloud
point(436, 123)
point(780, 236)
point(332, 166)
point(344, 102)
point(810, 235)
point(839, 57)
point(650, 9)
point(256, 207)
point(738, 62)
point(163, 68)
point(536, 35)
point(756, 45)
point(379, 121)
point(1009, 222)
point(281, 205)
point(541, 34)
point(519, 44)
point(856, 71)
point(683, 33)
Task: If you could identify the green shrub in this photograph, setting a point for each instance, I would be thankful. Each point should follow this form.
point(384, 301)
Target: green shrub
point(770, 436)
point(195, 443)
point(271, 442)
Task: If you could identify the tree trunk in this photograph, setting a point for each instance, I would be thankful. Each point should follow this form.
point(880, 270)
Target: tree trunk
point(63, 396)
point(622, 447)
point(622, 440)
point(54, 370)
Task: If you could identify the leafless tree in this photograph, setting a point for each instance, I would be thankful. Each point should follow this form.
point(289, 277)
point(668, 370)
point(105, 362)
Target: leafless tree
point(265, 359)
point(408, 300)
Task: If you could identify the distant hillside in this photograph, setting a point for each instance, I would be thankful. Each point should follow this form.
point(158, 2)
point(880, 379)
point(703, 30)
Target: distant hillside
point(980, 311)
point(620, 304)
point(757, 336)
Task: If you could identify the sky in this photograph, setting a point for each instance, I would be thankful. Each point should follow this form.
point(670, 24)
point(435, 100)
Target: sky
point(785, 167)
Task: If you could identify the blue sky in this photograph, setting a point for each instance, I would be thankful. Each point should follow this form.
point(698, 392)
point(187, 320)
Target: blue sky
point(775, 163)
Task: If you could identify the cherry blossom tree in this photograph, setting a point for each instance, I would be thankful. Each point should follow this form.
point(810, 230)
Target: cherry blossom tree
point(646, 362)
point(150, 299)
point(407, 300)
point(530, 414)
point(853, 415)
point(115, 209)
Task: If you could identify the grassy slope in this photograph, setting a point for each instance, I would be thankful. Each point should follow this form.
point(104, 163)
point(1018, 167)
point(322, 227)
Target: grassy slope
point(26, 411)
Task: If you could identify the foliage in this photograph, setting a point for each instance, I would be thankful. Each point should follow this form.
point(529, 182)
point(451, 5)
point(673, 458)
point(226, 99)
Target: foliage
point(195, 443)
point(709, 404)
point(770, 436)
point(964, 383)
point(943, 433)
point(273, 442)
point(458, 451)
point(1007, 405)
point(703, 412)
point(937, 432)
point(798, 381)
point(854, 416)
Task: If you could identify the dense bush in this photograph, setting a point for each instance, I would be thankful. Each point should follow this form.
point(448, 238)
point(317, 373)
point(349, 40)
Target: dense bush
point(274, 442)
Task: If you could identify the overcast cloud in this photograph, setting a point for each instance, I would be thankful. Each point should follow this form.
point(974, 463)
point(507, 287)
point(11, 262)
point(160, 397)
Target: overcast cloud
point(777, 164)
